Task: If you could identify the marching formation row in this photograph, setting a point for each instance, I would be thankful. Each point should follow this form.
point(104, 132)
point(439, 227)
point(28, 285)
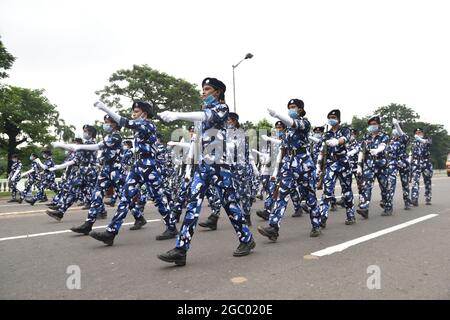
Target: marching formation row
point(296, 161)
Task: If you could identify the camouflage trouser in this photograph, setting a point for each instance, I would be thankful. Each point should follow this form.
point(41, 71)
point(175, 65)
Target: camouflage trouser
point(109, 175)
point(47, 182)
point(147, 175)
point(221, 178)
point(424, 168)
point(403, 170)
point(32, 179)
point(296, 170)
point(371, 171)
point(339, 169)
point(12, 184)
point(88, 180)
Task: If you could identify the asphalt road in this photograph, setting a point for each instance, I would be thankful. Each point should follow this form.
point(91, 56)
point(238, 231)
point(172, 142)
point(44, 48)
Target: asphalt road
point(412, 262)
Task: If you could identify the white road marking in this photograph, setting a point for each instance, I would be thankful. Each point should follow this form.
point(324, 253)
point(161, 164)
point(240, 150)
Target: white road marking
point(61, 231)
point(18, 204)
point(348, 244)
point(32, 211)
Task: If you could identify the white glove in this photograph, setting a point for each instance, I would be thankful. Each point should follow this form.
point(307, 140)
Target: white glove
point(418, 138)
point(318, 170)
point(100, 105)
point(274, 174)
point(373, 152)
point(168, 116)
point(395, 121)
point(187, 176)
point(359, 171)
point(272, 113)
point(272, 140)
point(332, 142)
point(171, 143)
point(58, 144)
point(352, 152)
point(288, 121)
point(313, 139)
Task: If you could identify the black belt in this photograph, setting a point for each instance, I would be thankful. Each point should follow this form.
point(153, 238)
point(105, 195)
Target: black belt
point(109, 162)
point(140, 156)
point(336, 157)
point(294, 152)
point(377, 157)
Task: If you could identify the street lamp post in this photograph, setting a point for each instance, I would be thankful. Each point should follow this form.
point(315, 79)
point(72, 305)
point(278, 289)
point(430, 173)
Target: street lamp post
point(247, 56)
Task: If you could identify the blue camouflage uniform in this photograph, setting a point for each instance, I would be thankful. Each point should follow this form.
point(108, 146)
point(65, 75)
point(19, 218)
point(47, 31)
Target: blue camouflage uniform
point(213, 170)
point(374, 167)
point(47, 180)
point(33, 179)
point(14, 178)
point(337, 166)
point(110, 173)
point(398, 162)
point(88, 172)
point(421, 165)
point(297, 168)
point(144, 170)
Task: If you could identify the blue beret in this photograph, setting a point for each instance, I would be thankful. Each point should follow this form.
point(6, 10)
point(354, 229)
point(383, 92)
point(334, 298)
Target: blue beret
point(299, 103)
point(233, 115)
point(374, 118)
point(215, 83)
point(335, 112)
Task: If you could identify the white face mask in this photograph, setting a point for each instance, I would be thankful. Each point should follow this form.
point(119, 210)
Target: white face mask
point(318, 135)
point(86, 136)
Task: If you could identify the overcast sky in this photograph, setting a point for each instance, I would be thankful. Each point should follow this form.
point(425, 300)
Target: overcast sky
point(352, 55)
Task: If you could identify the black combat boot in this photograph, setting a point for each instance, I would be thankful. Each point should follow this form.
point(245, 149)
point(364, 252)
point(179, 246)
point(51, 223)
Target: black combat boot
point(176, 255)
point(269, 232)
point(139, 223)
point(315, 232)
point(350, 221)
point(167, 234)
point(105, 236)
point(263, 214)
point(298, 213)
point(248, 220)
point(85, 228)
point(210, 223)
point(55, 214)
point(244, 248)
point(31, 201)
point(363, 212)
point(323, 222)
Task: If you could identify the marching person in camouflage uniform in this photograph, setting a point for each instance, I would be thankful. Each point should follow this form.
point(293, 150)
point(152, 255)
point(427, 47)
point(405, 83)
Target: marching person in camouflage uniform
point(372, 164)
point(421, 165)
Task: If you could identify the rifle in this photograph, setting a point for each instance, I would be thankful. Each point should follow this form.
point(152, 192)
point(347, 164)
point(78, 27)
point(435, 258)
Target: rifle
point(323, 164)
point(277, 188)
point(319, 185)
point(359, 179)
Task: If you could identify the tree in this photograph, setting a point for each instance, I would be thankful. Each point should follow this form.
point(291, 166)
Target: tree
point(440, 145)
point(6, 60)
point(359, 124)
point(162, 90)
point(409, 121)
point(401, 112)
point(28, 116)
